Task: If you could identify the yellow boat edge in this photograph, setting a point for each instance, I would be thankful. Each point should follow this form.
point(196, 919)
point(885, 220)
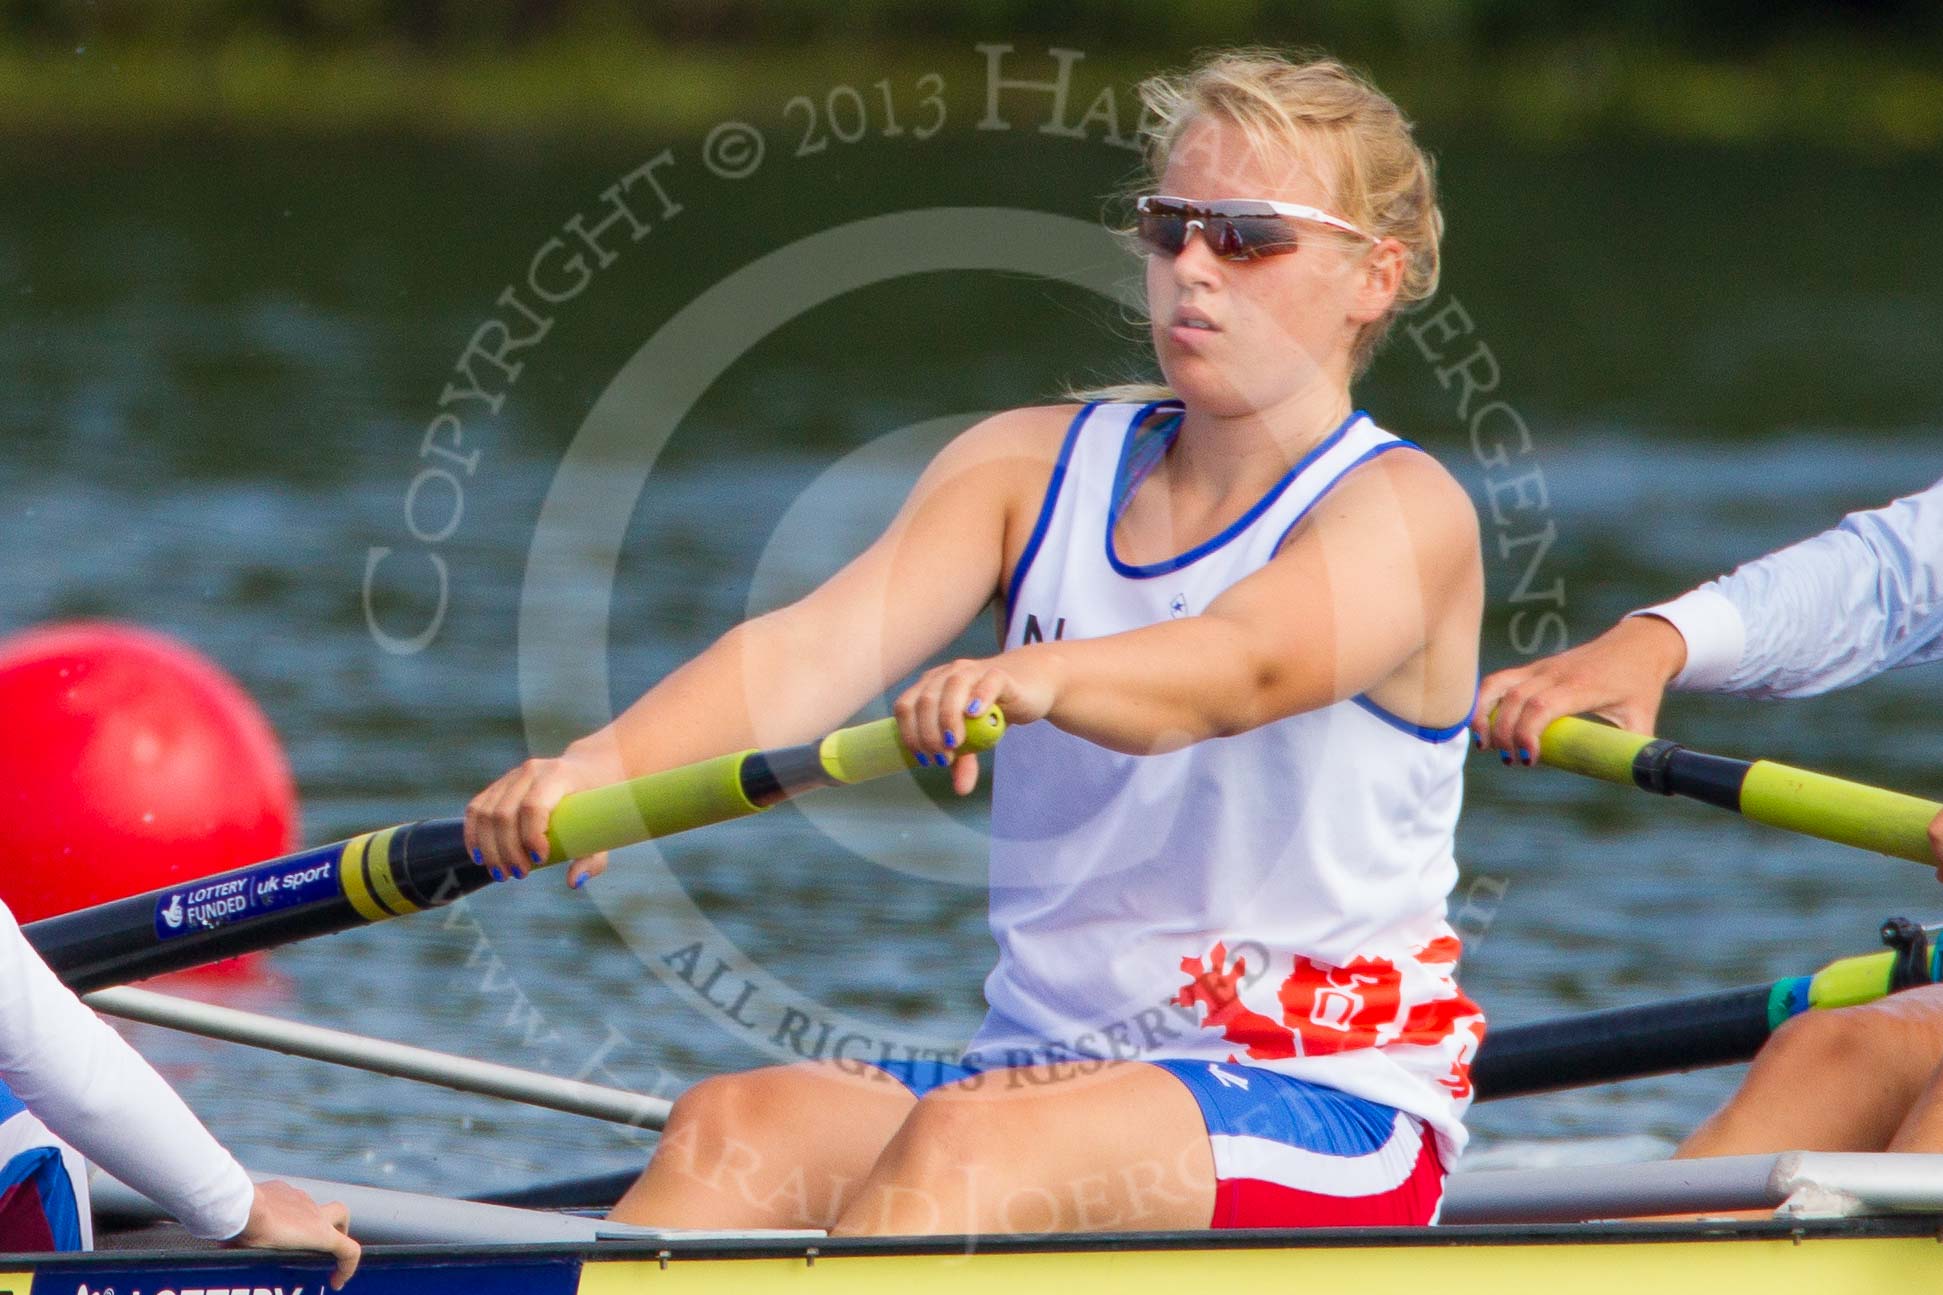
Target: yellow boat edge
point(1825, 1257)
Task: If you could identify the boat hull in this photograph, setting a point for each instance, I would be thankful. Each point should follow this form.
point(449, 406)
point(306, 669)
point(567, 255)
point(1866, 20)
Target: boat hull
point(1588, 1259)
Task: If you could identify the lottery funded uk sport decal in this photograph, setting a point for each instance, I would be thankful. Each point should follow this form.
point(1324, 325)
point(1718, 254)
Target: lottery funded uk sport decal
point(374, 1277)
point(205, 905)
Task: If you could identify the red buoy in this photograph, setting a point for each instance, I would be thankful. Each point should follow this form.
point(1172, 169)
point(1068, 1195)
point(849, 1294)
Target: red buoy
point(129, 762)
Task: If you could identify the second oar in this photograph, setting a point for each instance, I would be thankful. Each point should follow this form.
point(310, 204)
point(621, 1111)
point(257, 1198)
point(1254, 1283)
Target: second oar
point(1795, 800)
point(1717, 1029)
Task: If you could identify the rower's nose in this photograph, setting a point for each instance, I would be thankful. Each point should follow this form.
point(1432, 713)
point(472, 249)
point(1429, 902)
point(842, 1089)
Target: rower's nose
point(1196, 263)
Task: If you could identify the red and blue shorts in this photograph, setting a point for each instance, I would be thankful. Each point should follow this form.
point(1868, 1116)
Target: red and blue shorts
point(1287, 1153)
point(40, 1208)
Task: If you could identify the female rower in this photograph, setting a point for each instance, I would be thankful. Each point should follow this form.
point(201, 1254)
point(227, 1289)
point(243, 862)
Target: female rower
point(1240, 650)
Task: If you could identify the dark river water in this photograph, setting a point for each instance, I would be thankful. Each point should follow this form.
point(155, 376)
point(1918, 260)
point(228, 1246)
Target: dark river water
point(224, 365)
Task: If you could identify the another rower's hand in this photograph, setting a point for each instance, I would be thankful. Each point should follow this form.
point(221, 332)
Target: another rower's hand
point(931, 713)
point(283, 1218)
point(505, 829)
point(1620, 676)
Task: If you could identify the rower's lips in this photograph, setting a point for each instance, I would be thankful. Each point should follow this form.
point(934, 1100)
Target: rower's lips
point(1191, 338)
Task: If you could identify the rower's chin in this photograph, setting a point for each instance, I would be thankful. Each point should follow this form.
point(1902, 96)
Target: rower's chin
point(1193, 372)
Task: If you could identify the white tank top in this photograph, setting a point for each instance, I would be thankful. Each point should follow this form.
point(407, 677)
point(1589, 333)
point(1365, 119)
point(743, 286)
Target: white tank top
point(1275, 898)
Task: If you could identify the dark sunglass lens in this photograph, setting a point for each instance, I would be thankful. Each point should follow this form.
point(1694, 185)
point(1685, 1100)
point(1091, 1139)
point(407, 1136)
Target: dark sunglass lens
point(1226, 238)
point(1164, 231)
point(1262, 236)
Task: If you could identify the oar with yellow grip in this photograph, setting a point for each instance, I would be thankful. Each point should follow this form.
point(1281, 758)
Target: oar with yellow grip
point(423, 865)
point(1796, 800)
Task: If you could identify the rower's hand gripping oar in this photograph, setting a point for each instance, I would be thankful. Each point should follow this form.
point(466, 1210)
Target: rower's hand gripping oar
point(425, 864)
point(1795, 800)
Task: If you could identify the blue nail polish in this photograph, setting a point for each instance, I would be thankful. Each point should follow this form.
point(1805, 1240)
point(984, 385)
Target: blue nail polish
point(950, 739)
point(534, 855)
point(497, 875)
point(977, 705)
point(477, 857)
point(580, 881)
point(1524, 756)
point(1505, 756)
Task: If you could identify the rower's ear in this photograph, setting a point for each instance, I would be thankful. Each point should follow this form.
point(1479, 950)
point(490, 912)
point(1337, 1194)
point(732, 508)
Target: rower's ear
point(1381, 279)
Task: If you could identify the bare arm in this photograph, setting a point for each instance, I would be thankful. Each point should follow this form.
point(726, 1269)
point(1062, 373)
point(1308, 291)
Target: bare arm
point(1382, 578)
point(791, 674)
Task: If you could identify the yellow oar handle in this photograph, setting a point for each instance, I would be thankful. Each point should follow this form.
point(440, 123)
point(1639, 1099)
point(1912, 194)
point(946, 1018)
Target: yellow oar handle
point(734, 786)
point(1587, 747)
point(1795, 800)
point(874, 750)
point(653, 805)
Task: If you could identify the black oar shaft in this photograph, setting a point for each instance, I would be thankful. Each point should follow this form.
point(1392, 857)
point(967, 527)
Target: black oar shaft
point(1716, 1029)
point(313, 892)
point(1622, 1043)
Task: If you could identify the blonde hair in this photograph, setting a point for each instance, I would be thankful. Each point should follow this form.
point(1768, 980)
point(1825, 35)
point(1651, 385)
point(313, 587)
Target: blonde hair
point(1385, 183)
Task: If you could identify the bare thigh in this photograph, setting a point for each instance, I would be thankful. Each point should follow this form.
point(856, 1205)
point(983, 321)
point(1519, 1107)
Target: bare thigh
point(1844, 1079)
point(783, 1147)
point(1113, 1147)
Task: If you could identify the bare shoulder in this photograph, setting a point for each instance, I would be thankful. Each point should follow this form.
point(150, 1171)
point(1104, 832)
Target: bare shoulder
point(1411, 483)
point(1032, 434)
point(995, 470)
point(1009, 455)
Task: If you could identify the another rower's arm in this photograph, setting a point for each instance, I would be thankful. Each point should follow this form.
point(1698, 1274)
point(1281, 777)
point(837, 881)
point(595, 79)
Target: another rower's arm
point(1833, 610)
point(1384, 574)
point(94, 1091)
point(1863, 597)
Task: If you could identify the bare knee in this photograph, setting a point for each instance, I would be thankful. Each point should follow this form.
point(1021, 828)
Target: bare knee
point(1820, 1038)
point(1882, 1038)
point(715, 1102)
point(733, 1154)
point(765, 1106)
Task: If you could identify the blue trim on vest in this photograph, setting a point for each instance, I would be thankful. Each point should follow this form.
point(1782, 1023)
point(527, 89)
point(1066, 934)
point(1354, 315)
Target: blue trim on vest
point(10, 1105)
point(1118, 498)
point(1044, 523)
point(1403, 725)
point(1236, 527)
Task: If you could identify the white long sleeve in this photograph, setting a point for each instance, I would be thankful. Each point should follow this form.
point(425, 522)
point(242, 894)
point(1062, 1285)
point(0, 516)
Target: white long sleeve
point(1828, 612)
point(85, 1083)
